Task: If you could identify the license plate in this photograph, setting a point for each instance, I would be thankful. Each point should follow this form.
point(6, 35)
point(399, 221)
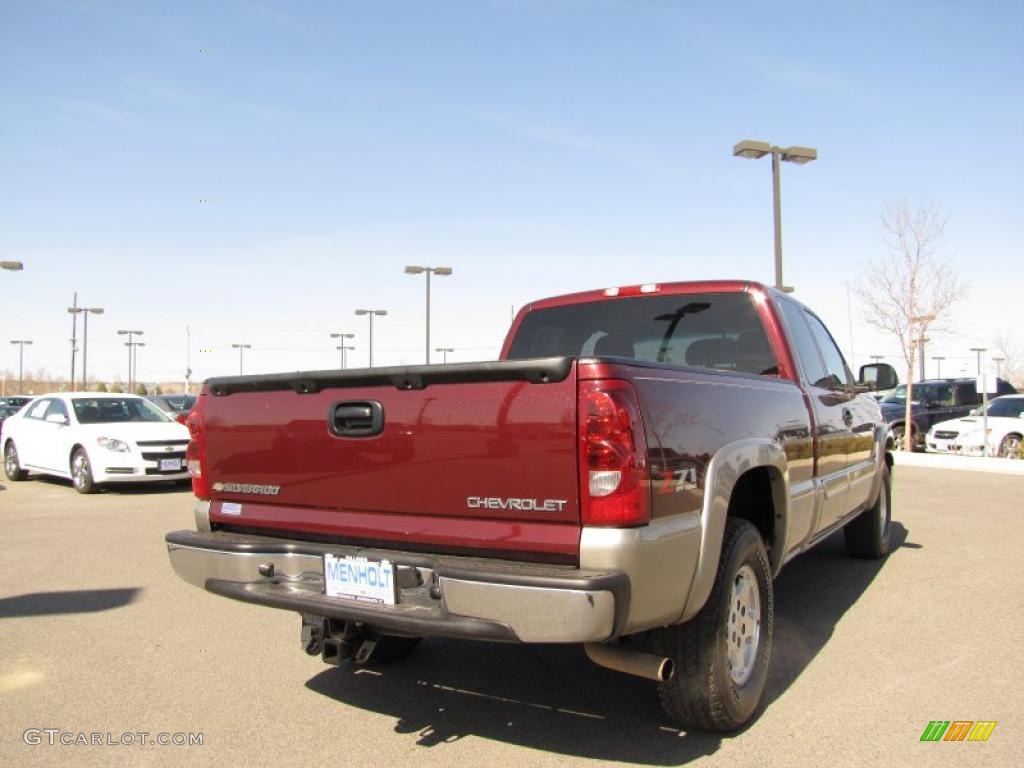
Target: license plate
point(169, 465)
point(356, 578)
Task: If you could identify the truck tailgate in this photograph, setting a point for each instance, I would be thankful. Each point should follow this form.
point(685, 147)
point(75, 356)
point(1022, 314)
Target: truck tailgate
point(481, 456)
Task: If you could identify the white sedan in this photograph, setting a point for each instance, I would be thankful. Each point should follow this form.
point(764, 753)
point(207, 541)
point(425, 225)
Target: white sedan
point(967, 435)
point(94, 438)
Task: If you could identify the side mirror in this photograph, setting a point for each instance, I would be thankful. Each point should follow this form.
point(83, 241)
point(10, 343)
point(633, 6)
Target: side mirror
point(877, 376)
point(57, 418)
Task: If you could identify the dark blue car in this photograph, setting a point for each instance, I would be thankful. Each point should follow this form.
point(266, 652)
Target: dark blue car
point(934, 400)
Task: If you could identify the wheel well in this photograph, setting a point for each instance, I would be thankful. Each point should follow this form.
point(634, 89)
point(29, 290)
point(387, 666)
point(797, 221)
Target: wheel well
point(753, 500)
point(71, 453)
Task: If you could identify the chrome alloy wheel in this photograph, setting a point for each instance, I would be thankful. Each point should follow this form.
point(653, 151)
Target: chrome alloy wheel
point(11, 460)
point(883, 513)
point(80, 474)
point(743, 625)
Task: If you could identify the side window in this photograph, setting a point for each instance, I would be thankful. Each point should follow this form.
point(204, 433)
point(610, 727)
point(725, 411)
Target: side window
point(56, 407)
point(810, 360)
point(943, 395)
point(838, 375)
point(967, 394)
point(39, 409)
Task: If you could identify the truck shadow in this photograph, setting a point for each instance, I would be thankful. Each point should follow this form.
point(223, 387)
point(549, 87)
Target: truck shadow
point(552, 698)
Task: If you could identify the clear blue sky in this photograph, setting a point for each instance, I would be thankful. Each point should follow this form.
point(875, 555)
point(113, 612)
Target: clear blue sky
point(536, 146)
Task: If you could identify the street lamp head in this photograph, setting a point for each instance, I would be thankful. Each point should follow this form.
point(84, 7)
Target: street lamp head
point(415, 270)
point(751, 149)
point(75, 310)
point(94, 310)
point(362, 311)
point(14, 266)
point(343, 335)
point(799, 155)
point(380, 311)
point(442, 270)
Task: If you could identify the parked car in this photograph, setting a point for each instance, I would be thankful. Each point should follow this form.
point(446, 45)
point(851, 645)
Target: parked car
point(175, 406)
point(638, 466)
point(935, 400)
point(94, 439)
point(7, 410)
point(1005, 417)
point(16, 401)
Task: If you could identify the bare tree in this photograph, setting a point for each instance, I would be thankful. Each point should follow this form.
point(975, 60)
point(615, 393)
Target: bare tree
point(1012, 352)
point(910, 291)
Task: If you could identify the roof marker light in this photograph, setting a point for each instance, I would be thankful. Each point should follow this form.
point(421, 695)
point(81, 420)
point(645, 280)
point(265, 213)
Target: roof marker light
point(611, 291)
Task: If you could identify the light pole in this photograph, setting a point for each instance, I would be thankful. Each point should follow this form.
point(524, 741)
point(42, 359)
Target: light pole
point(241, 355)
point(444, 353)
point(979, 350)
point(342, 349)
point(74, 310)
point(924, 340)
point(341, 345)
point(370, 313)
point(14, 266)
point(21, 362)
point(86, 311)
point(428, 271)
point(754, 150)
point(938, 366)
point(135, 361)
point(131, 354)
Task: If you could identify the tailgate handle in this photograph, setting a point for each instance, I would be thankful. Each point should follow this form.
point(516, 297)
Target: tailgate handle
point(356, 418)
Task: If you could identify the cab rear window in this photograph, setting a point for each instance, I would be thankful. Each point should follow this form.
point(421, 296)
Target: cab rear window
point(720, 331)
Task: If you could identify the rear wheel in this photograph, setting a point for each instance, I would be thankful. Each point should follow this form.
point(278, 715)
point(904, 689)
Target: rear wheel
point(898, 434)
point(867, 535)
point(81, 472)
point(12, 465)
point(1009, 447)
point(721, 654)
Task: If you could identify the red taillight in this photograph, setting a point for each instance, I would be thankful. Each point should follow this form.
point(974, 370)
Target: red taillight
point(195, 453)
point(614, 488)
point(182, 418)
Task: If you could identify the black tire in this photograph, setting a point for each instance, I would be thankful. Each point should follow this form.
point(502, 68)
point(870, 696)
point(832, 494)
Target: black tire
point(391, 648)
point(81, 472)
point(898, 433)
point(867, 535)
point(707, 691)
point(12, 465)
point(1010, 447)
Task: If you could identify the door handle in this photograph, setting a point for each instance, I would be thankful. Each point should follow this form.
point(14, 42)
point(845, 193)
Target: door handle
point(847, 417)
point(356, 418)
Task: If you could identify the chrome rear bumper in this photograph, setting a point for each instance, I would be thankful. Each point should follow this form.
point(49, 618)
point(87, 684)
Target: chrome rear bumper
point(469, 597)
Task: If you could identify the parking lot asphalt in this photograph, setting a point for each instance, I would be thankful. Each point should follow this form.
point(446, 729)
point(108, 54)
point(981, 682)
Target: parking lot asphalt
point(97, 635)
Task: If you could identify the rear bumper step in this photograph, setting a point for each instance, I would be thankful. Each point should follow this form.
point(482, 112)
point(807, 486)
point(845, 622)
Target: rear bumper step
point(467, 597)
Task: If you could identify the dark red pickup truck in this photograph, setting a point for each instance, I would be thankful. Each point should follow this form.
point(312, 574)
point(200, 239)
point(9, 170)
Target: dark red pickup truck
point(639, 465)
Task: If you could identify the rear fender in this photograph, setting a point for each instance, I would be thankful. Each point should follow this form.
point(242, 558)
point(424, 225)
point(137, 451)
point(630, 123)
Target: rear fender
point(724, 470)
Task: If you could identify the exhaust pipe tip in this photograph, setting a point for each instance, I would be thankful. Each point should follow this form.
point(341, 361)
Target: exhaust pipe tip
point(638, 663)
